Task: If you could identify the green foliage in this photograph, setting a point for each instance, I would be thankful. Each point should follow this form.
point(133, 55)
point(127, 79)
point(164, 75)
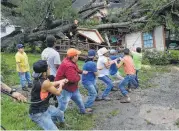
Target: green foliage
point(28, 9)
point(156, 57)
point(153, 17)
point(61, 9)
point(89, 23)
point(64, 10)
point(174, 54)
point(32, 48)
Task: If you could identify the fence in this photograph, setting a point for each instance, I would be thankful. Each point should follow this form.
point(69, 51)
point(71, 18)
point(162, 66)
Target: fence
point(63, 45)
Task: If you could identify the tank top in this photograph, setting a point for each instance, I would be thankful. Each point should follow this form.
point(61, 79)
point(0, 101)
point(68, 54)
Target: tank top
point(35, 97)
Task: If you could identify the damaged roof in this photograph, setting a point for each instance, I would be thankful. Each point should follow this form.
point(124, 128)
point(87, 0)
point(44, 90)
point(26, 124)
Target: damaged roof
point(91, 34)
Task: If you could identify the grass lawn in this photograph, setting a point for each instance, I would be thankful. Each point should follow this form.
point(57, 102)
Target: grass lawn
point(14, 116)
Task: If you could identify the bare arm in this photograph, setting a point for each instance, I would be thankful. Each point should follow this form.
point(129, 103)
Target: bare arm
point(5, 87)
point(17, 95)
point(56, 83)
point(96, 73)
point(120, 64)
point(48, 87)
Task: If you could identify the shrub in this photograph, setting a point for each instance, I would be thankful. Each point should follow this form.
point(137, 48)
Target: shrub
point(174, 54)
point(156, 57)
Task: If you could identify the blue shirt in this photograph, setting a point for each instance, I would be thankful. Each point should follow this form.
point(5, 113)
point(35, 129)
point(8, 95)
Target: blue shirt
point(91, 67)
point(113, 68)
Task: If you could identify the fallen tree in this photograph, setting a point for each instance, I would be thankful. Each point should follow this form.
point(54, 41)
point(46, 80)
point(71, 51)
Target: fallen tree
point(121, 25)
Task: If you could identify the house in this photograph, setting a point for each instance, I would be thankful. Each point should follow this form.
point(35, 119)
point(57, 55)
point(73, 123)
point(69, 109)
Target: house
point(6, 28)
point(90, 35)
point(148, 40)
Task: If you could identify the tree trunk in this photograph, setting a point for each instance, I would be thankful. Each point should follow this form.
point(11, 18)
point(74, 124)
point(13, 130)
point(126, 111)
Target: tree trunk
point(87, 5)
point(87, 15)
point(121, 25)
point(41, 35)
point(92, 7)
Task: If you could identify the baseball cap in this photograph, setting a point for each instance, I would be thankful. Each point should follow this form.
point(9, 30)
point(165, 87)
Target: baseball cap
point(73, 52)
point(39, 67)
point(91, 53)
point(102, 51)
point(20, 46)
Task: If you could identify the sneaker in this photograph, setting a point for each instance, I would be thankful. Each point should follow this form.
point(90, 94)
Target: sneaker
point(106, 98)
point(129, 90)
point(125, 100)
point(30, 85)
point(98, 99)
point(89, 110)
point(113, 89)
point(62, 125)
point(25, 89)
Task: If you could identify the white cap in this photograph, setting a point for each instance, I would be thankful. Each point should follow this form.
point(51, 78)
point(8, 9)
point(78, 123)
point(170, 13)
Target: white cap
point(102, 51)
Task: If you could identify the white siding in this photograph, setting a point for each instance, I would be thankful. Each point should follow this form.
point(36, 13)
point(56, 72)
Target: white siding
point(9, 30)
point(133, 39)
point(159, 38)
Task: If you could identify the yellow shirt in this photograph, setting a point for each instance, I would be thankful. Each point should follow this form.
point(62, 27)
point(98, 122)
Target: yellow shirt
point(22, 59)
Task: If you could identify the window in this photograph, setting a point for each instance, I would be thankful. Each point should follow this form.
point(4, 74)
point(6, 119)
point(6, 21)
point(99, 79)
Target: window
point(148, 40)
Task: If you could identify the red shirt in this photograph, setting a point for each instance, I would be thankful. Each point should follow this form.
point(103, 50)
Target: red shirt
point(69, 70)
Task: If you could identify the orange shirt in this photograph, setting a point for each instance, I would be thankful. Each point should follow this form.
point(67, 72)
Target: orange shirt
point(128, 65)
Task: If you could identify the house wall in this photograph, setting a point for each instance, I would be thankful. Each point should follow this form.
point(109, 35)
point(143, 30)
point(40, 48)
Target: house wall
point(9, 30)
point(159, 38)
point(133, 39)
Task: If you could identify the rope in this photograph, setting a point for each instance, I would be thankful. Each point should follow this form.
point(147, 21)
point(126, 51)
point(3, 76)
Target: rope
point(34, 102)
point(3, 128)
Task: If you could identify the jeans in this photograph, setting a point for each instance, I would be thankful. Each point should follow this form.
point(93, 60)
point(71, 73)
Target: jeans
point(118, 76)
point(25, 76)
point(92, 93)
point(109, 84)
point(137, 71)
point(65, 97)
point(128, 79)
point(130, 83)
point(46, 119)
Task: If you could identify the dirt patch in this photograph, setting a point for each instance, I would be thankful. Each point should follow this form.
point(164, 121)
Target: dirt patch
point(152, 108)
point(159, 114)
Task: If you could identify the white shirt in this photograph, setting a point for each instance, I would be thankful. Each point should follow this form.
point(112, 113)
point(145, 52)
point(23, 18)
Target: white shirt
point(101, 64)
point(53, 58)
